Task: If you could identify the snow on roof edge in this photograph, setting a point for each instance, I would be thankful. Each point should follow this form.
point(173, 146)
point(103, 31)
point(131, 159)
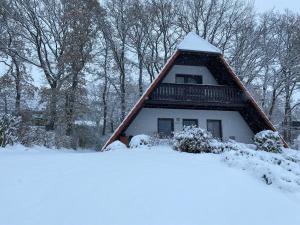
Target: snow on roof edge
point(193, 42)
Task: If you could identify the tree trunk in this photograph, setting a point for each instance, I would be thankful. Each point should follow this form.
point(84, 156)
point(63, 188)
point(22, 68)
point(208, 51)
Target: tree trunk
point(273, 102)
point(287, 117)
point(104, 94)
point(140, 76)
point(18, 88)
point(104, 112)
point(71, 97)
point(111, 125)
point(123, 102)
point(287, 123)
point(53, 107)
point(5, 105)
point(123, 89)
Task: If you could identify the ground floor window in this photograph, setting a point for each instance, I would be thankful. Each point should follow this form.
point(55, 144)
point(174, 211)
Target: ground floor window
point(165, 127)
point(215, 128)
point(189, 122)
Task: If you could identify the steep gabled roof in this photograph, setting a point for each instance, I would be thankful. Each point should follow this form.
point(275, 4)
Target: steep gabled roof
point(184, 46)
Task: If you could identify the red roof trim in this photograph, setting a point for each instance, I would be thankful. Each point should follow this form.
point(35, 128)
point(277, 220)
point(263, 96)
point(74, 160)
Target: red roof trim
point(252, 100)
point(136, 108)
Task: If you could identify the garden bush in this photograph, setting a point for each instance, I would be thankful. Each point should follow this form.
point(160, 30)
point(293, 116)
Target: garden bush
point(140, 140)
point(9, 126)
point(193, 140)
point(268, 141)
point(116, 145)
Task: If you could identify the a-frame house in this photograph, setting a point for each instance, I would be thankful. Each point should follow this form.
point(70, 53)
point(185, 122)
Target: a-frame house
point(195, 87)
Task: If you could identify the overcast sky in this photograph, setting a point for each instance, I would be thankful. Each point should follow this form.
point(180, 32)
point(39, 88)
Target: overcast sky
point(263, 5)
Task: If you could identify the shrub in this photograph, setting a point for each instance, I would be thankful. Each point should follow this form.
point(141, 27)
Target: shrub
point(9, 125)
point(140, 140)
point(268, 141)
point(193, 140)
point(116, 145)
point(297, 143)
point(35, 135)
point(218, 146)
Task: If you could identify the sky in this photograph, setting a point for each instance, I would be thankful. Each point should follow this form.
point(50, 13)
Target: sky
point(281, 5)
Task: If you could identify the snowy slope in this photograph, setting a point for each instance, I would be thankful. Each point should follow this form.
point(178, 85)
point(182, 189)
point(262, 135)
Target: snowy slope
point(157, 186)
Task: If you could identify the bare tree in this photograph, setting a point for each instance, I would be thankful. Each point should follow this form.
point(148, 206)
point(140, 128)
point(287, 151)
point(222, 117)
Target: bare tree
point(11, 43)
point(214, 20)
point(287, 30)
point(41, 25)
point(119, 22)
point(82, 19)
point(139, 37)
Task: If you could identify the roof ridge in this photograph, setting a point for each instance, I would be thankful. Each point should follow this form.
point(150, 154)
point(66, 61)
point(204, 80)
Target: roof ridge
point(193, 42)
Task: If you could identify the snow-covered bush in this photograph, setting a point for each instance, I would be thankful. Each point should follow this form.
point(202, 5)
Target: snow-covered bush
point(193, 140)
point(116, 145)
point(64, 141)
point(281, 170)
point(297, 143)
point(218, 146)
point(140, 140)
point(268, 141)
point(35, 135)
point(156, 140)
point(9, 125)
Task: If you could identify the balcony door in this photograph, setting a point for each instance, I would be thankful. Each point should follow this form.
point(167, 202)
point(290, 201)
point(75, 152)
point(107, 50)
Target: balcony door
point(165, 127)
point(215, 128)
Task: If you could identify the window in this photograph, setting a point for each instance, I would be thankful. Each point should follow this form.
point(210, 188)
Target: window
point(188, 79)
point(189, 122)
point(215, 128)
point(165, 127)
point(232, 138)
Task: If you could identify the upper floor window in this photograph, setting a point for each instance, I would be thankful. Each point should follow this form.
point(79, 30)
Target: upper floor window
point(188, 79)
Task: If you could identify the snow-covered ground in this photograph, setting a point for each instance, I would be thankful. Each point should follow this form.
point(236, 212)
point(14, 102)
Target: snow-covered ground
point(145, 186)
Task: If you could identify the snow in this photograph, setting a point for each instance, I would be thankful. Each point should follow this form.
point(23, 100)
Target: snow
point(297, 143)
point(268, 140)
point(281, 170)
point(86, 123)
point(116, 145)
point(193, 42)
point(139, 140)
point(142, 186)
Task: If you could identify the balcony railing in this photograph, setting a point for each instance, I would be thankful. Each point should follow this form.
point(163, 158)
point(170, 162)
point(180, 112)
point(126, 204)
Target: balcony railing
point(197, 93)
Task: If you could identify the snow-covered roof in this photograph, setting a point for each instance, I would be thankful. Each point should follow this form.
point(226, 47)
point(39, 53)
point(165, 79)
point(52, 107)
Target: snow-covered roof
point(193, 42)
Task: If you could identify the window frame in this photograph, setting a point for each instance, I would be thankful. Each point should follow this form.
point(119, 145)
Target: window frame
point(197, 121)
point(220, 126)
point(172, 125)
point(186, 76)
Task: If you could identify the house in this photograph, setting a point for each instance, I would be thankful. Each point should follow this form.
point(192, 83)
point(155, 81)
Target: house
point(195, 87)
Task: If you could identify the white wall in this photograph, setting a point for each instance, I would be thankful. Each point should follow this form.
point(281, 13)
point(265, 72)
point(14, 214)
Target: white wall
point(207, 77)
point(233, 123)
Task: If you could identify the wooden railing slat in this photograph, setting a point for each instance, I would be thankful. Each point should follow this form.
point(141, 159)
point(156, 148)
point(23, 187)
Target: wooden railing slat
point(200, 93)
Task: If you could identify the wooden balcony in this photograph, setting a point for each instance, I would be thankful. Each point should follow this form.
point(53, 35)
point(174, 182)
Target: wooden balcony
point(195, 96)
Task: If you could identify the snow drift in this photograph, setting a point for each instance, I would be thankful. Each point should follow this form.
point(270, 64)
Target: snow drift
point(143, 186)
